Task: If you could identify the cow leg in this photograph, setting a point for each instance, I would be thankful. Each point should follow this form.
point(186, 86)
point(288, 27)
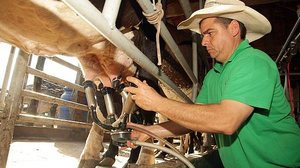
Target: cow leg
point(140, 155)
point(94, 146)
point(108, 158)
point(90, 155)
point(146, 156)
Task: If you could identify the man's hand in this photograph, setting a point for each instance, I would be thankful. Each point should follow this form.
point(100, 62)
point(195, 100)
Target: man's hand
point(144, 95)
point(137, 135)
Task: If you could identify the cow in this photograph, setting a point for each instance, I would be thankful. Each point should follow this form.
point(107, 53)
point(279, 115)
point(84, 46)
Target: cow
point(49, 27)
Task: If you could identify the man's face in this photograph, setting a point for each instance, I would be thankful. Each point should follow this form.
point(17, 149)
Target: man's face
point(216, 39)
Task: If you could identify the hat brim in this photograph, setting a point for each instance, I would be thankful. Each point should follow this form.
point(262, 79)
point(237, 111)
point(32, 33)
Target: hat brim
point(256, 24)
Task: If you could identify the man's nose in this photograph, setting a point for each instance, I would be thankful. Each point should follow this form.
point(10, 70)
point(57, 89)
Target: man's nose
point(204, 41)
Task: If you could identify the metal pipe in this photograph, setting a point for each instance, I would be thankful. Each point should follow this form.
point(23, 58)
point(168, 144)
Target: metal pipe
point(295, 28)
point(6, 76)
point(107, 94)
point(96, 19)
point(187, 9)
point(195, 65)
point(148, 8)
point(124, 95)
point(128, 108)
point(90, 88)
point(111, 10)
point(167, 150)
point(201, 4)
point(153, 135)
point(186, 6)
point(291, 74)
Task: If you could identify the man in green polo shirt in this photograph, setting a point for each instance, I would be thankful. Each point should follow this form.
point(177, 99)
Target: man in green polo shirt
point(241, 101)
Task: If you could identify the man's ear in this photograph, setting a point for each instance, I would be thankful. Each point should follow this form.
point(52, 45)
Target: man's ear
point(234, 28)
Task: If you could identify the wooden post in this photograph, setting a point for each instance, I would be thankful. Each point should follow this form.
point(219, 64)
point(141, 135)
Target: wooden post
point(6, 77)
point(37, 86)
point(79, 114)
point(12, 107)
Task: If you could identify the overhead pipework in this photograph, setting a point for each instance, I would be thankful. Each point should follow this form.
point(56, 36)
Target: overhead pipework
point(148, 8)
point(97, 20)
point(111, 10)
point(187, 9)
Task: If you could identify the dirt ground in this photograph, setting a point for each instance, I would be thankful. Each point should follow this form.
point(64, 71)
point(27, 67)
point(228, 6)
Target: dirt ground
point(61, 154)
point(48, 154)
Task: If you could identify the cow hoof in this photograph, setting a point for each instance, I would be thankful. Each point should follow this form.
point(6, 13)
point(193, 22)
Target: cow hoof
point(88, 163)
point(107, 162)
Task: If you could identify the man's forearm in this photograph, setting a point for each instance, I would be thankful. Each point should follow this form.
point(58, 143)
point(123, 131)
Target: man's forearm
point(224, 117)
point(168, 129)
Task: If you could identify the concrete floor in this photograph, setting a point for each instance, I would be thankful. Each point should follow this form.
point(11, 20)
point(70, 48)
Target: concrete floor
point(49, 154)
point(58, 154)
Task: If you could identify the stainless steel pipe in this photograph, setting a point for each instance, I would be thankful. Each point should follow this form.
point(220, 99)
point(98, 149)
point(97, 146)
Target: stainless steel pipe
point(111, 10)
point(96, 19)
point(165, 34)
point(187, 9)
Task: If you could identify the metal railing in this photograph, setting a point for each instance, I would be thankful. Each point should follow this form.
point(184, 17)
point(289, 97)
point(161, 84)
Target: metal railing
point(12, 100)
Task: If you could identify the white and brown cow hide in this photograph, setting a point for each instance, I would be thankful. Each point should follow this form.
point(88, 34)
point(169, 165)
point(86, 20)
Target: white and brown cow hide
point(49, 27)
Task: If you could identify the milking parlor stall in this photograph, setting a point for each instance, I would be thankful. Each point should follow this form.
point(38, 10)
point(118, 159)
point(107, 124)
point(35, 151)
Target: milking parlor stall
point(63, 69)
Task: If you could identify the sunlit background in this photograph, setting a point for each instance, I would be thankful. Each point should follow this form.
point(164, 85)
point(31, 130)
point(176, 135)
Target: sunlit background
point(50, 67)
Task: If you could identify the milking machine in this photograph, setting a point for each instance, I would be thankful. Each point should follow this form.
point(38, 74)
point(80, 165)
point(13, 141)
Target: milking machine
point(116, 126)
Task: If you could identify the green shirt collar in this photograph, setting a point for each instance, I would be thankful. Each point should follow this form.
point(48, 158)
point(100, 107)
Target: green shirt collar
point(243, 45)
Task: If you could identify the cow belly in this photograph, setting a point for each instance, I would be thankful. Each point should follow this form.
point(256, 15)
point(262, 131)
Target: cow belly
point(46, 27)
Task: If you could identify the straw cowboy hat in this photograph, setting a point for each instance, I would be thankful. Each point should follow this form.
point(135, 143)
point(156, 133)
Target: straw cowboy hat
point(256, 24)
